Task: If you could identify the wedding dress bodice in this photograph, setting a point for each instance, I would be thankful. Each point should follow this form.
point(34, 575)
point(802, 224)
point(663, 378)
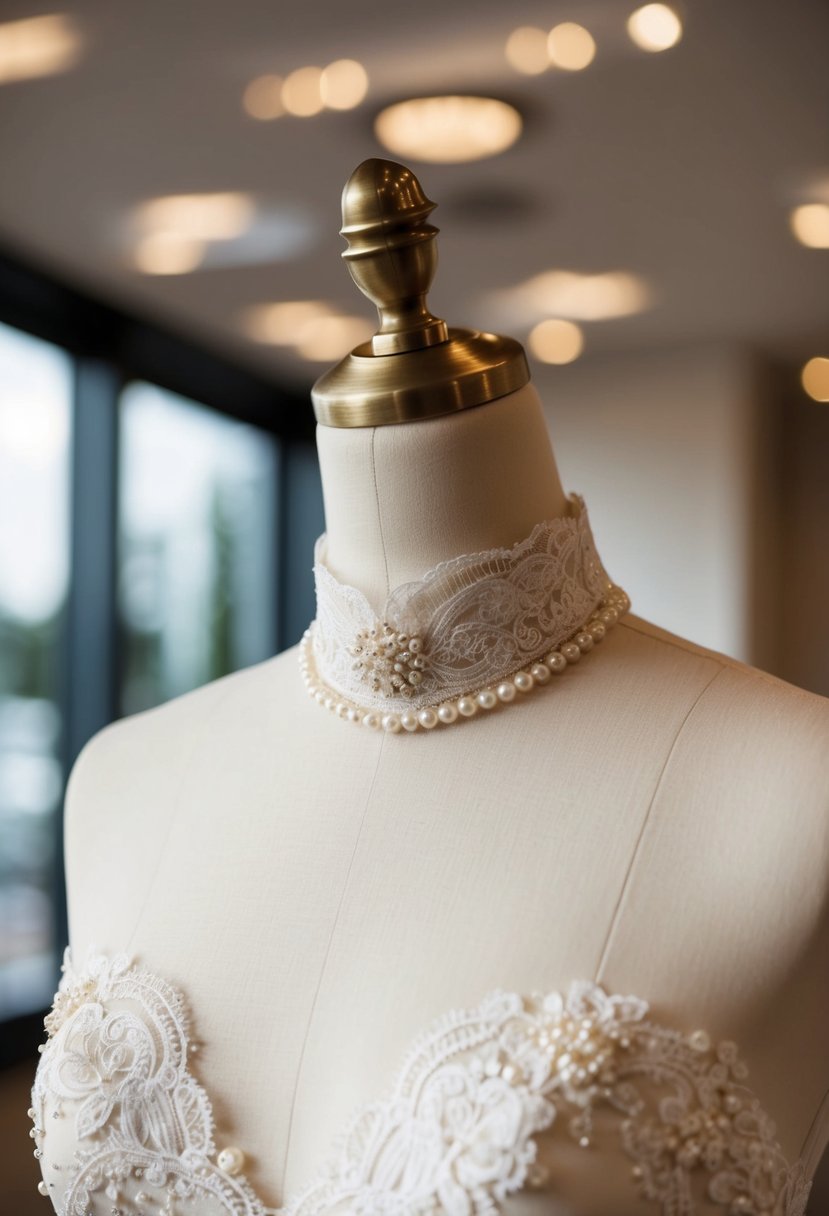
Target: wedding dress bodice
point(498, 1096)
point(457, 1132)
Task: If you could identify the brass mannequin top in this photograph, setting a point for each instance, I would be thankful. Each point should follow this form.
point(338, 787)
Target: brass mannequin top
point(414, 367)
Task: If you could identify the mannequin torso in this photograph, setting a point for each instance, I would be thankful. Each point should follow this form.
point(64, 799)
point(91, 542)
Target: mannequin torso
point(655, 822)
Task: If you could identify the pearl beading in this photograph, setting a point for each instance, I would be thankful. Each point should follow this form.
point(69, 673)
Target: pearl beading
point(117, 1067)
point(505, 692)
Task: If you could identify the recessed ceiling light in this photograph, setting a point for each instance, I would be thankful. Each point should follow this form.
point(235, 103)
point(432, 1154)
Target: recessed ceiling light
point(301, 93)
point(38, 46)
point(526, 50)
point(282, 324)
point(316, 331)
point(815, 378)
point(329, 338)
point(343, 84)
point(263, 98)
point(570, 47)
point(654, 27)
point(448, 130)
point(203, 217)
point(556, 341)
point(168, 253)
point(580, 297)
point(810, 224)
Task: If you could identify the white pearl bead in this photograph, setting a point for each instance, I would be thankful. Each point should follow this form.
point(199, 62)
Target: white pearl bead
point(571, 652)
point(371, 720)
point(506, 691)
point(584, 641)
point(42, 1188)
point(486, 698)
point(428, 718)
point(467, 706)
point(231, 1160)
point(415, 644)
point(540, 672)
point(556, 662)
point(353, 714)
point(391, 723)
point(610, 616)
point(523, 681)
point(448, 712)
point(408, 720)
point(596, 630)
point(342, 710)
point(319, 697)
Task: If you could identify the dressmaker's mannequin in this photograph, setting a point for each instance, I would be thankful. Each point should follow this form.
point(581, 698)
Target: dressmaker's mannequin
point(656, 822)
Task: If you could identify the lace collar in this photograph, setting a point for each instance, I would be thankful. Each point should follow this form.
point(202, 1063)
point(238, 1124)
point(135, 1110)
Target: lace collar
point(459, 1131)
point(465, 627)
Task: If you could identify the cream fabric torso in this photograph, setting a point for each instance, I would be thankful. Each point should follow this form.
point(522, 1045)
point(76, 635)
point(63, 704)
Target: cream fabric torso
point(655, 821)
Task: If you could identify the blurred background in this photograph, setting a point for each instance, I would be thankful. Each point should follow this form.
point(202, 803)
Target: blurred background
point(640, 194)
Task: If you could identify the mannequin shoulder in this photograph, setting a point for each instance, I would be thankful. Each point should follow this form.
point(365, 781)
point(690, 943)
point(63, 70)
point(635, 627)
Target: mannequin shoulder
point(762, 721)
point(140, 759)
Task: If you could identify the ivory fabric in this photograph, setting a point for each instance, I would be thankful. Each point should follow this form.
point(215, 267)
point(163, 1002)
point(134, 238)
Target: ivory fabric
point(654, 822)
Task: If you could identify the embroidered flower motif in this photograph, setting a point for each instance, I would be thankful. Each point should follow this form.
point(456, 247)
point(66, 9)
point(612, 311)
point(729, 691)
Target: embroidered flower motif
point(458, 1133)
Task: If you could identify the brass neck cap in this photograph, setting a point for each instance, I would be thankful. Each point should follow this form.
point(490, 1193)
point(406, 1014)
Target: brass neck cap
point(413, 367)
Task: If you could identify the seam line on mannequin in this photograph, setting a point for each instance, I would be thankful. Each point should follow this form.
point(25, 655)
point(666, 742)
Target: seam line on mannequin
point(379, 516)
point(614, 920)
point(172, 821)
point(324, 965)
point(817, 1137)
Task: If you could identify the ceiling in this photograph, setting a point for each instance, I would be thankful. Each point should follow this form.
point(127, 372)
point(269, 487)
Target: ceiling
point(679, 167)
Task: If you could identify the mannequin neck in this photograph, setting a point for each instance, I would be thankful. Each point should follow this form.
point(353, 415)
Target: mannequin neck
point(400, 499)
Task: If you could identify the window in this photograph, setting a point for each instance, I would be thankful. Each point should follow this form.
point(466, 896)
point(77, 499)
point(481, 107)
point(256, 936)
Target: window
point(197, 581)
point(35, 425)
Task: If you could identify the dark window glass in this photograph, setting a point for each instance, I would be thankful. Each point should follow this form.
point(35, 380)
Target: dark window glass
point(197, 545)
point(35, 425)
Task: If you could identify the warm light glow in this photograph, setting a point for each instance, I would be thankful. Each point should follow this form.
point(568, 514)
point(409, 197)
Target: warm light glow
point(263, 98)
point(38, 46)
point(314, 329)
point(343, 84)
point(655, 27)
point(168, 253)
point(526, 50)
point(200, 217)
point(301, 93)
point(587, 297)
point(815, 379)
point(285, 323)
point(810, 224)
point(570, 47)
point(448, 130)
point(556, 341)
point(332, 337)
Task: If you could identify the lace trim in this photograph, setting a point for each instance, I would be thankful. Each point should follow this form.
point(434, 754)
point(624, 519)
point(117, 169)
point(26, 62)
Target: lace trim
point(476, 618)
point(456, 1135)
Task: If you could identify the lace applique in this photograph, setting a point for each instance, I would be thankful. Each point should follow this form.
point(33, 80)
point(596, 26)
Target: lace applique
point(477, 618)
point(458, 1132)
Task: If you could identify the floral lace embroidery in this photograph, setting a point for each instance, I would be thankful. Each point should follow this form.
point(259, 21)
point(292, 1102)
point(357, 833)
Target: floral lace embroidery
point(480, 616)
point(457, 1133)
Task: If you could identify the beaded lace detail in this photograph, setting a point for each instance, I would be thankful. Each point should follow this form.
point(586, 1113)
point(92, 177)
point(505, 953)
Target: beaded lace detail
point(478, 617)
point(458, 1133)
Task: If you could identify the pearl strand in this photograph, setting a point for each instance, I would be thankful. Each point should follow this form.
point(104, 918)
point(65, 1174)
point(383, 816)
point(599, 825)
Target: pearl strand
point(593, 631)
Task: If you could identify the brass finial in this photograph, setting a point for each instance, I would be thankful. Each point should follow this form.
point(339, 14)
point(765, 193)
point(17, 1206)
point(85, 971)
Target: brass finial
point(414, 366)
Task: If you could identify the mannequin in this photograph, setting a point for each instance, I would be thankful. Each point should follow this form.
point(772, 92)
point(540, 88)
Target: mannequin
point(320, 893)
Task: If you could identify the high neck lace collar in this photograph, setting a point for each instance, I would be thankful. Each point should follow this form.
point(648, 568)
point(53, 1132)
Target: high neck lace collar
point(466, 625)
